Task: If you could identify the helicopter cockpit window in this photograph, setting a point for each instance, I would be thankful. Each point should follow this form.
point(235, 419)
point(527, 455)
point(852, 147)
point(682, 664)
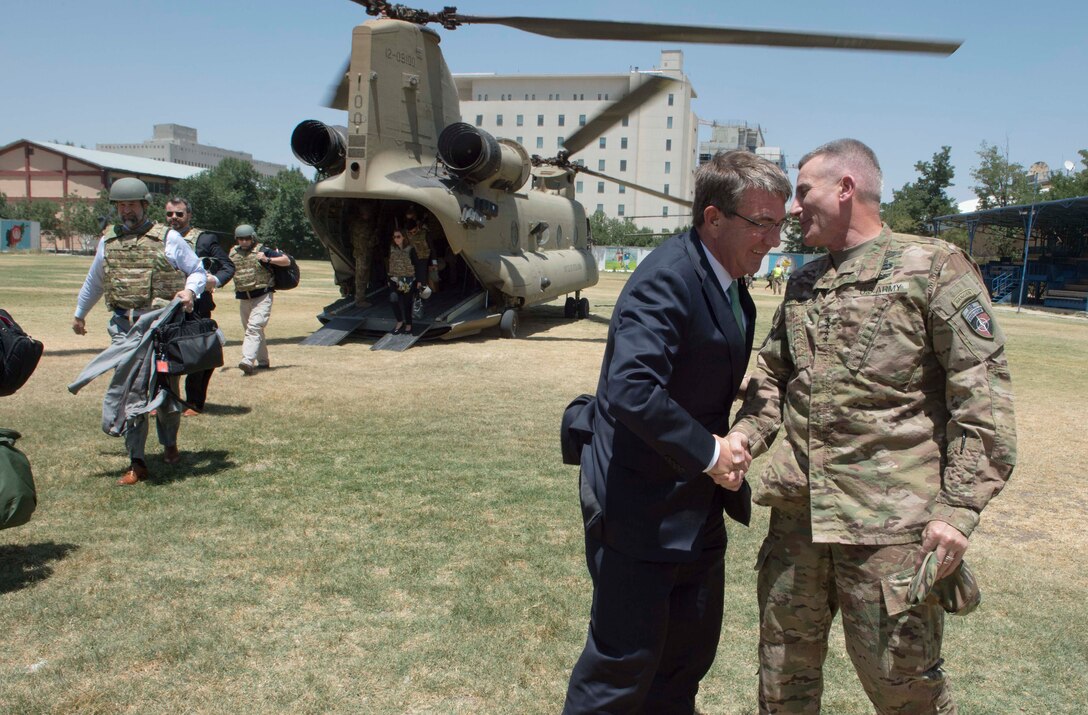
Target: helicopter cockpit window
point(515, 238)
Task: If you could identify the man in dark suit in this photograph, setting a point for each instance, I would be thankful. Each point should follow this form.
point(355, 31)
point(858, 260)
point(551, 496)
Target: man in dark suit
point(220, 269)
point(655, 478)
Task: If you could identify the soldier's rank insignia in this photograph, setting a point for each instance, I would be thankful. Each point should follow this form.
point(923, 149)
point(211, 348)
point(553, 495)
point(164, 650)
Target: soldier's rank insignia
point(977, 319)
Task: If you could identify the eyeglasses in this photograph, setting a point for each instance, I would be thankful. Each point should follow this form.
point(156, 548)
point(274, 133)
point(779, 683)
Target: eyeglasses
point(777, 225)
point(179, 214)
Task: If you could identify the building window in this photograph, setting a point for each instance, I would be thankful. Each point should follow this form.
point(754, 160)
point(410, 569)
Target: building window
point(667, 189)
point(664, 210)
point(479, 120)
point(600, 187)
point(559, 142)
point(600, 208)
point(623, 165)
point(668, 145)
point(521, 120)
point(598, 96)
point(562, 120)
point(578, 187)
point(498, 120)
point(581, 120)
point(540, 142)
point(540, 120)
point(625, 122)
point(600, 165)
point(550, 97)
point(623, 142)
point(668, 122)
point(602, 143)
point(671, 97)
point(623, 189)
point(485, 97)
point(668, 167)
point(620, 209)
point(520, 140)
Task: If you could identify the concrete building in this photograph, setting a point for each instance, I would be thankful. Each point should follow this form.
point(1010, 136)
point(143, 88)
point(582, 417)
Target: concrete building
point(655, 146)
point(178, 144)
point(730, 135)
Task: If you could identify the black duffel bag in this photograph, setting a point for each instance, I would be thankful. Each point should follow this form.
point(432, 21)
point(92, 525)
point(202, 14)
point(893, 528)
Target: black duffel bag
point(19, 355)
point(285, 277)
point(189, 344)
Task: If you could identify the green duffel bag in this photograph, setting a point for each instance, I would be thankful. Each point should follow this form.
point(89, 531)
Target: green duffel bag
point(17, 496)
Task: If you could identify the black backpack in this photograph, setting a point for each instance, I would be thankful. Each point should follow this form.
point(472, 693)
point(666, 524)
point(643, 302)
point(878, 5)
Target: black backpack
point(286, 277)
point(19, 355)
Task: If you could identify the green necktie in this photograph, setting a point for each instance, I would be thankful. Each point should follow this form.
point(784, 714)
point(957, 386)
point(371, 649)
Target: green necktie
point(734, 303)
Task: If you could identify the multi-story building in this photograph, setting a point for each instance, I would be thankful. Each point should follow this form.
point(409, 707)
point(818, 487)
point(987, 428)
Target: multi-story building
point(654, 146)
point(730, 135)
point(178, 145)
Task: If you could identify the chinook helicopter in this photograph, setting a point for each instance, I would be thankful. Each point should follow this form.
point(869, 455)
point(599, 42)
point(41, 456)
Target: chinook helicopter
point(506, 224)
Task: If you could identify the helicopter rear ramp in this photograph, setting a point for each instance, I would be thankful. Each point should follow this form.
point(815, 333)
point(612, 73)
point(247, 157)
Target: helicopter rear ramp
point(334, 331)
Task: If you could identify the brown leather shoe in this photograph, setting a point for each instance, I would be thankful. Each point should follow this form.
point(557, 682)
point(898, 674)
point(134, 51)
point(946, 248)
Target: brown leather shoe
point(190, 412)
point(136, 473)
point(171, 455)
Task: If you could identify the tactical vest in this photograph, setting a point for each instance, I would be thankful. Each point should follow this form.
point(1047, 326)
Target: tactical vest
point(138, 275)
point(419, 242)
point(249, 273)
point(400, 262)
point(191, 236)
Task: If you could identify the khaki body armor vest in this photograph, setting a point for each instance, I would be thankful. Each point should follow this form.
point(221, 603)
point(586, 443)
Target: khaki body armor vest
point(249, 273)
point(138, 275)
point(400, 262)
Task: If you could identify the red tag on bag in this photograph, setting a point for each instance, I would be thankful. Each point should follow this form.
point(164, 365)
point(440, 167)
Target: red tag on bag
point(162, 366)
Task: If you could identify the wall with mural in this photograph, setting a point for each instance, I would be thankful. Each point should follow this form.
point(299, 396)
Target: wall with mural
point(19, 235)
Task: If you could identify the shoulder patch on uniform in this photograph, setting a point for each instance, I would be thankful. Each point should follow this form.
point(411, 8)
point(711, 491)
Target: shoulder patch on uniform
point(977, 319)
point(965, 295)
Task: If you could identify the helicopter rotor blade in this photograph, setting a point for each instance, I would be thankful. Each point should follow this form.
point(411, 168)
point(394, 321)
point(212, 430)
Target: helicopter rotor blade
point(616, 111)
point(337, 98)
point(645, 32)
point(636, 187)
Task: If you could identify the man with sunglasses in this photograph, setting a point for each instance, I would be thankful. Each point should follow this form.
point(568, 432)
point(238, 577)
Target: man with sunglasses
point(887, 370)
point(220, 269)
point(655, 480)
point(140, 265)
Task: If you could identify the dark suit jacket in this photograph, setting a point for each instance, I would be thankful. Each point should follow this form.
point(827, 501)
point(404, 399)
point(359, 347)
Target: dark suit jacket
point(216, 262)
point(673, 364)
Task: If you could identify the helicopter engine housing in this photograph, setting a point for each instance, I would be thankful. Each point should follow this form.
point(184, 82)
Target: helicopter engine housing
point(319, 145)
point(473, 155)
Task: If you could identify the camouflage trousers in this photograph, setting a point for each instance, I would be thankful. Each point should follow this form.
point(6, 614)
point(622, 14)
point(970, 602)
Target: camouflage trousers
point(802, 585)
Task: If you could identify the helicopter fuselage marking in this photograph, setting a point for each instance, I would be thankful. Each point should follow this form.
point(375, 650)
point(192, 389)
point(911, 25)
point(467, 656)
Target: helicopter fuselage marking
point(405, 58)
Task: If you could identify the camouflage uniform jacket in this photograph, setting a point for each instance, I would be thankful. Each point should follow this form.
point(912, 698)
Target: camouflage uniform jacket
point(890, 377)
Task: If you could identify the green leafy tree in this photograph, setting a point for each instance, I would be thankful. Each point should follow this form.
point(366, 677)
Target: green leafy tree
point(791, 240)
point(1064, 186)
point(1000, 181)
point(613, 231)
point(914, 206)
point(285, 224)
point(5, 207)
point(225, 196)
point(40, 210)
point(77, 218)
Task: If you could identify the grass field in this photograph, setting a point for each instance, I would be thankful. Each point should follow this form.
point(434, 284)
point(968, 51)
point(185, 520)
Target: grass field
point(371, 532)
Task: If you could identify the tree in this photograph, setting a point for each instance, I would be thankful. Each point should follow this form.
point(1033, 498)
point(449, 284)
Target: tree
point(77, 218)
point(40, 210)
point(285, 223)
point(610, 231)
point(1000, 181)
point(5, 207)
point(225, 196)
point(791, 240)
point(914, 206)
point(1067, 187)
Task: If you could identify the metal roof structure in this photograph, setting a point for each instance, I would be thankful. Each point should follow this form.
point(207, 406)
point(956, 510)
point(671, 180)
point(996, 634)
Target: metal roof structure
point(1063, 217)
point(118, 162)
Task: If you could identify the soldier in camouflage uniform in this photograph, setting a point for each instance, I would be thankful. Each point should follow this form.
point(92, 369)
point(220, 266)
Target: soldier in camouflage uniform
point(364, 239)
point(888, 371)
point(140, 266)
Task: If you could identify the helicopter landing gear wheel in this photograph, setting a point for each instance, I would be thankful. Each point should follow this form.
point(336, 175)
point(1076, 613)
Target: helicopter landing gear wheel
point(570, 308)
point(583, 308)
point(508, 323)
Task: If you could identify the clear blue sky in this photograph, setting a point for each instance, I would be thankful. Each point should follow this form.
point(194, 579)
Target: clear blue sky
point(244, 74)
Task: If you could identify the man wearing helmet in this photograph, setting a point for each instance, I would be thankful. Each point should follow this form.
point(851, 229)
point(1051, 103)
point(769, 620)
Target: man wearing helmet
point(254, 285)
point(140, 266)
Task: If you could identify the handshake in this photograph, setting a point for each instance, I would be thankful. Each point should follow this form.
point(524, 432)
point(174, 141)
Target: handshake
point(733, 461)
